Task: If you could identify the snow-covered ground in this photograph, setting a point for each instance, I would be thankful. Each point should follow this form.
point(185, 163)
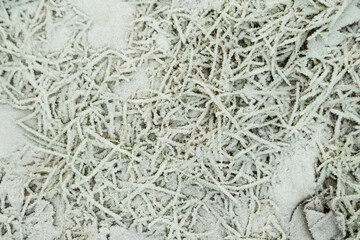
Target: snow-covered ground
point(287, 205)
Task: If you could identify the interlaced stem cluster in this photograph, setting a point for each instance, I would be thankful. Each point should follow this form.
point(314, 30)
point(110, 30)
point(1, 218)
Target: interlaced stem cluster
point(193, 155)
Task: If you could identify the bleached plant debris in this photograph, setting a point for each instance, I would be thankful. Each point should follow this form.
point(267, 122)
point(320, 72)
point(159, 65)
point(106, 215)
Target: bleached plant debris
point(195, 153)
point(312, 220)
point(323, 226)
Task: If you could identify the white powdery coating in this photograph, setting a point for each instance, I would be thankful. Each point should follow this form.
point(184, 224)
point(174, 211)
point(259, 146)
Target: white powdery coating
point(127, 89)
point(117, 232)
point(110, 21)
point(188, 157)
point(197, 7)
point(294, 178)
point(11, 136)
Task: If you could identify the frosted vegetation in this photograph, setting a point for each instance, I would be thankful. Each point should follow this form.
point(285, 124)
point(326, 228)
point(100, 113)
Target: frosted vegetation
point(229, 120)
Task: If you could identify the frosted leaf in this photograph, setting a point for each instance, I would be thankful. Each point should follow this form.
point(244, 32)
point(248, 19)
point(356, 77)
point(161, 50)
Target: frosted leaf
point(298, 228)
point(39, 224)
point(317, 47)
point(329, 227)
point(323, 226)
point(334, 38)
point(139, 80)
point(312, 217)
point(19, 167)
point(350, 15)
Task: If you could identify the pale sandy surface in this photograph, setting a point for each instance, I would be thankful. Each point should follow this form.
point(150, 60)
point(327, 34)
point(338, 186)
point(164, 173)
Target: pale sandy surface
point(293, 178)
